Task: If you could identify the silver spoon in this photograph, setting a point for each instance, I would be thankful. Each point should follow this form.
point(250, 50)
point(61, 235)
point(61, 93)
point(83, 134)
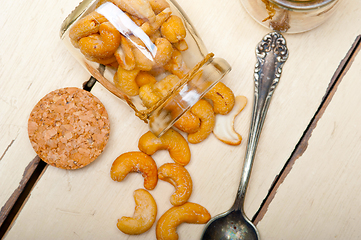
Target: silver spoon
point(271, 54)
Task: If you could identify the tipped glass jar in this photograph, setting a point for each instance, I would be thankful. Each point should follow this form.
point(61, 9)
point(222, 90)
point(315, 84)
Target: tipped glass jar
point(147, 53)
point(291, 16)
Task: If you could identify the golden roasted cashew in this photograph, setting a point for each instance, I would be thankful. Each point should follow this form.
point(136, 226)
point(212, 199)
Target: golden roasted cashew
point(187, 213)
point(86, 26)
point(125, 81)
point(135, 162)
point(204, 111)
point(173, 29)
point(164, 51)
point(158, 5)
point(139, 8)
point(222, 98)
point(151, 28)
point(102, 45)
point(188, 123)
point(179, 177)
point(176, 65)
point(144, 78)
point(124, 55)
point(171, 140)
point(144, 215)
point(151, 93)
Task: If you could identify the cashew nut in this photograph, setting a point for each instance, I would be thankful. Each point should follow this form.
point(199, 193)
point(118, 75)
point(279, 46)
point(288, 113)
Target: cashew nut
point(176, 65)
point(188, 123)
point(189, 213)
point(135, 162)
point(144, 78)
point(86, 26)
point(204, 111)
point(222, 98)
point(139, 8)
point(164, 51)
point(102, 45)
point(124, 55)
point(224, 128)
point(173, 29)
point(181, 45)
point(125, 81)
point(144, 214)
point(171, 140)
point(158, 5)
point(151, 93)
point(179, 177)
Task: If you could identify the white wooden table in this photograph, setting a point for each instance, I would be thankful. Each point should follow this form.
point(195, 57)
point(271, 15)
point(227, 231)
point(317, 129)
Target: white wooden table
point(305, 182)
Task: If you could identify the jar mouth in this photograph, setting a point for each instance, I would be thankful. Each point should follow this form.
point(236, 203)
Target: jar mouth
point(302, 5)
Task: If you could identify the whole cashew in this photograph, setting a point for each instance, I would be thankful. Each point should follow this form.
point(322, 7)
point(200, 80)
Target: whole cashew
point(86, 26)
point(189, 213)
point(188, 123)
point(135, 162)
point(204, 111)
point(222, 98)
point(144, 216)
point(125, 81)
point(102, 45)
point(179, 177)
point(171, 140)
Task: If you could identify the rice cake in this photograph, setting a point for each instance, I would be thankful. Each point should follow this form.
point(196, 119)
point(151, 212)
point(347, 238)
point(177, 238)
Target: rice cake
point(69, 128)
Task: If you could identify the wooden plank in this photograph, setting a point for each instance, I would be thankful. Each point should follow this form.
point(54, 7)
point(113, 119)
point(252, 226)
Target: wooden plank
point(86, 203)
point(33, 62)
point(319, 198)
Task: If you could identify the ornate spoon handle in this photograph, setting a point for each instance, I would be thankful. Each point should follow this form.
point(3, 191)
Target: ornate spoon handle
point(271, 54)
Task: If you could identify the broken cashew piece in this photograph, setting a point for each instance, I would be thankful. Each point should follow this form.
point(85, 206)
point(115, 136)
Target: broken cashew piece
point(135, 162)
point(222, 98)
point(189, 213)
point(144, 214)
point(179, 177)
point(224, 128)
point(204, 111)
point(171, 140)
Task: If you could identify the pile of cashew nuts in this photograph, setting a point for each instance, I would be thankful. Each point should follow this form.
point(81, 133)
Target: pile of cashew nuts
point(152, 79)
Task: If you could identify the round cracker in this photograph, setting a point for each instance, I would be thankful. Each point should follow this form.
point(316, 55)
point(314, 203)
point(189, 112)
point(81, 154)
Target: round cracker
point(69, 128)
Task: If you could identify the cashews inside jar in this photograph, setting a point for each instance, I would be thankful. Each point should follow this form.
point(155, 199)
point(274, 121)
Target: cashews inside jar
point(144, 215)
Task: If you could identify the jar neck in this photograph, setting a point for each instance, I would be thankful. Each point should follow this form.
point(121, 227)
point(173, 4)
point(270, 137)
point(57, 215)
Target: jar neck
point(302, 5)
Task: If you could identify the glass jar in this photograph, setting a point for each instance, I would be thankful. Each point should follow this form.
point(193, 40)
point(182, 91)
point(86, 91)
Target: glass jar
point(150, 56)
point(291, 16)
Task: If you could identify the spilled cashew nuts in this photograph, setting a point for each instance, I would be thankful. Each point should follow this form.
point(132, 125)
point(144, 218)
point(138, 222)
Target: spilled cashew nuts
point(135, 162)
point(222, 98)
point(224, 128)
point(179, 177)
point(188, 123)
point(187, 213)
point(171, 140)
point(204, 111)
point(144, 214)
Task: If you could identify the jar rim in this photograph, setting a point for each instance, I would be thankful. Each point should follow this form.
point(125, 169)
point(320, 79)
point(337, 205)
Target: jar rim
point(302, 5)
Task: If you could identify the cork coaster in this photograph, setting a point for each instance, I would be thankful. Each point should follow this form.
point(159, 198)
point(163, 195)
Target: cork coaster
point(69, 128)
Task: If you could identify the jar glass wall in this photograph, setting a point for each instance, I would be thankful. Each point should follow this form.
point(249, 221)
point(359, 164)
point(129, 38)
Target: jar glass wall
point(291, 16)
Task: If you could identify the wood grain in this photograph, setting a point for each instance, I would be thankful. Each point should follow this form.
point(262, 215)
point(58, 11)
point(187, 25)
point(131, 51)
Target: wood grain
point(320, 197)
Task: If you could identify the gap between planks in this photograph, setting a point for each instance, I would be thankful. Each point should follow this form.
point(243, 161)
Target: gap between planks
point(302, 144)
point(31, 175)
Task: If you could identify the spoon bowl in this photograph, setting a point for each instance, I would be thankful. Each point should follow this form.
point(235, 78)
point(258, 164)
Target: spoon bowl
point(271, 54)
